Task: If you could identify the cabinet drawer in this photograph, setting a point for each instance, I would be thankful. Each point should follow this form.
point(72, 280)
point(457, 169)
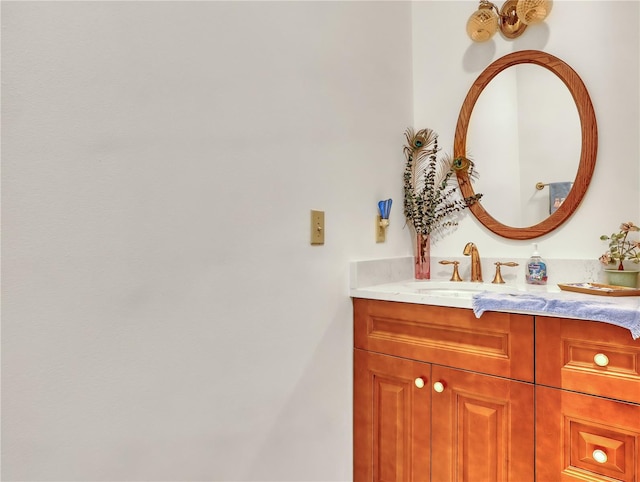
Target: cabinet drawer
point(589, 357)
point(497, 343)
point(583, 437)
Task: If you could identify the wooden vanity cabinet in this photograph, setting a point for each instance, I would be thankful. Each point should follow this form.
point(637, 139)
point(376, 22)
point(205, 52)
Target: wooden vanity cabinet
point(440, 396)
point(587, 401)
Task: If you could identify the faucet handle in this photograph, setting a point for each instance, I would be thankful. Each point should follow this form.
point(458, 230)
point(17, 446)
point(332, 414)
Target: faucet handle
point(498, 277)
point(455, 276)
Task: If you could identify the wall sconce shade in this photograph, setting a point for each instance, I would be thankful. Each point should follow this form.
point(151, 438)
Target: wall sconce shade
point(483, 24)
point(512, 19)
point(385, 208)
point(531, 12)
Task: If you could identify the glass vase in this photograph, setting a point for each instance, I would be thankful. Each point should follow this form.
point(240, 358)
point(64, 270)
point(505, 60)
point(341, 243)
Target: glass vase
point(422, 259)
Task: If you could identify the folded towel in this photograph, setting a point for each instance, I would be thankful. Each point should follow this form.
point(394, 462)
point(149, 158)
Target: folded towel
point(608, 312)
point(558, 192)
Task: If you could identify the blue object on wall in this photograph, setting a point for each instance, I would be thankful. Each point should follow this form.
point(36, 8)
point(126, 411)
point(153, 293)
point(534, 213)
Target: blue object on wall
point(385, 208)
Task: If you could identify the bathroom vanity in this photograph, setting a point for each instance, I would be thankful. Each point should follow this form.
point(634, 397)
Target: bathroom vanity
point(514, 394)
point(442, 395)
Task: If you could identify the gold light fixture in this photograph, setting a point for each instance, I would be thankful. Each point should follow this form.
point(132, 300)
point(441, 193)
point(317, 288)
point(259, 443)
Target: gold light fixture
point(512, 19)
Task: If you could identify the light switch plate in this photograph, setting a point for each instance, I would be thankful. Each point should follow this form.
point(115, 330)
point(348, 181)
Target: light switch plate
point(317, 227)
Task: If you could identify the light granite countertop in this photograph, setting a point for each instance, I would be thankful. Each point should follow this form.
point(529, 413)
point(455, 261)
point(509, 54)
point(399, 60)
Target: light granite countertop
point(391, 280)
point(460, 295)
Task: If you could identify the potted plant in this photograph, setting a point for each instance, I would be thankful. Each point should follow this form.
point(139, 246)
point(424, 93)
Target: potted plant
point(430, 187)
point(622, 248)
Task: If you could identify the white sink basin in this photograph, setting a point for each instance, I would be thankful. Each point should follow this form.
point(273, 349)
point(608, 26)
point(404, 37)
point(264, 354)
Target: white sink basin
point(457, 289)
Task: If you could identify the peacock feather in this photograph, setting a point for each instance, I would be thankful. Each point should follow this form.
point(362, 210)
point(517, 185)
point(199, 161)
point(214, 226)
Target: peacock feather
point(430, 186)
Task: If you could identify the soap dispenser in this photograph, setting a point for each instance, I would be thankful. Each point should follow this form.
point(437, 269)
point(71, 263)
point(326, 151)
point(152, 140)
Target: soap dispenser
point(536, 273)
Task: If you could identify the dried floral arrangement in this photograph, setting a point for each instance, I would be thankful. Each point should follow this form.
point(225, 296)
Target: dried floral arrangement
point(430, 184)
point(620, 248)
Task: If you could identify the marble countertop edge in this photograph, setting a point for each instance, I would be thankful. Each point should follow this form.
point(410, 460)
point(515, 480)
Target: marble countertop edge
point(391, 280)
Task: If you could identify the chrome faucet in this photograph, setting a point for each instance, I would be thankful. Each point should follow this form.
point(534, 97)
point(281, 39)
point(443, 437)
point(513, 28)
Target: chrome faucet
point(470, 249)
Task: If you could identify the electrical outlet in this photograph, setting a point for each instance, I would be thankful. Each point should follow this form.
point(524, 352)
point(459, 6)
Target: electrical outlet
point(381, 232)
point(317, 227)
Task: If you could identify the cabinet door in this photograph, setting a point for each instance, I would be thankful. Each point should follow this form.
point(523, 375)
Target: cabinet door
point(392, 401)
point(482, 427)
point(583, 437)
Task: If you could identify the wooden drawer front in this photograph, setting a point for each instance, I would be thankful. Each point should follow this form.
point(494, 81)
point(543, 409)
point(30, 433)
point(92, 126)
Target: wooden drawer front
point(582, 437)
point(568, 353)
point(498, 343)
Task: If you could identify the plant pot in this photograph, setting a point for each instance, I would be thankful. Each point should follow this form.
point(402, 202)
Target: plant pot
point(625, 277)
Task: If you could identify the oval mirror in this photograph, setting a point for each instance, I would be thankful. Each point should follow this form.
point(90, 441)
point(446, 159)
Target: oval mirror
point(559, 161)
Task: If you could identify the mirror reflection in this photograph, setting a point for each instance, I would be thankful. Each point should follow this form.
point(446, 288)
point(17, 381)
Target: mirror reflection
point(524, 131)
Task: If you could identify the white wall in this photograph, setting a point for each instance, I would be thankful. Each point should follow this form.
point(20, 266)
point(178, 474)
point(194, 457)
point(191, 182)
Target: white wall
point(164, 316)
point(589, 37)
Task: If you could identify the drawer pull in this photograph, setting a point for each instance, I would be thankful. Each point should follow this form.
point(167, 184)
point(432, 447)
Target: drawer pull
point(601, 359)
point(438, 387)
point(419, 382)
point(599, 456)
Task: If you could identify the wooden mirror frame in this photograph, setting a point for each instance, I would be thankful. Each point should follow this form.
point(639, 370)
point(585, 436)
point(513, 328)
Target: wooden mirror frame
point(588, 154)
